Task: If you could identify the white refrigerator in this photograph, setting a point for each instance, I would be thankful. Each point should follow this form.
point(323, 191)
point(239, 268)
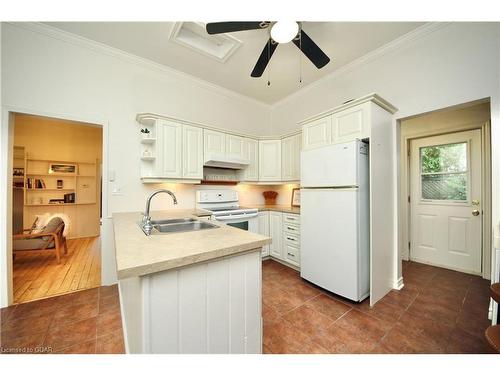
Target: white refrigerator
point(335, 219)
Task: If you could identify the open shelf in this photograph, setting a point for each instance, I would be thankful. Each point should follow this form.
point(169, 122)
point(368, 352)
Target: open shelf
point(148, 140)
point(49, 189)
point(148, 158)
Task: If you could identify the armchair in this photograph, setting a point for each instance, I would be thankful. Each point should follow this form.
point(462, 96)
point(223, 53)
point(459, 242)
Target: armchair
point(51, 238)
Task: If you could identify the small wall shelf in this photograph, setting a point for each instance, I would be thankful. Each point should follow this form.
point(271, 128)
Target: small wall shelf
point(148, 140)
point(148, 158)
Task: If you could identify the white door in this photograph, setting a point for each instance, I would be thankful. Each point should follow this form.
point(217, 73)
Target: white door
point(334, 165)
point(270, 160)
point(290, 159)
point(251, 153)
point(351, 123)
point(334, 250)
point(169, 149)
point(192, 152)
point(446, 212)
point(234, 147)
point(214, 143)
point(317, 133)
point(264, 229)
point(276, 234)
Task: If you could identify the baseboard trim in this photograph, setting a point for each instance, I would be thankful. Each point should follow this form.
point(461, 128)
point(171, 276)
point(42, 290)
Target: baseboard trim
point(398, 284)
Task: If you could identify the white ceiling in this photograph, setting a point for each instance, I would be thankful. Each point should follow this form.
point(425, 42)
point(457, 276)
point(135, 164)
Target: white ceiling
point(343, 42)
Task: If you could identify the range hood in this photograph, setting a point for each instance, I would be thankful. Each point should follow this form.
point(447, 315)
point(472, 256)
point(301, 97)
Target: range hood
point(223, 161)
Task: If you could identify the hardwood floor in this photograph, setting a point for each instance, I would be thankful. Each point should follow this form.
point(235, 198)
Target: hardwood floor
point(37, 274)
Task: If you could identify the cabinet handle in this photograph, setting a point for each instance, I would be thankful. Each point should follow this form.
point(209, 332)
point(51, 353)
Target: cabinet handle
point(291, 239)
point(292, 255)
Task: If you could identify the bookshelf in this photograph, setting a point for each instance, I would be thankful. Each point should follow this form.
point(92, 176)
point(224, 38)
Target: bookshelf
point(44, 186)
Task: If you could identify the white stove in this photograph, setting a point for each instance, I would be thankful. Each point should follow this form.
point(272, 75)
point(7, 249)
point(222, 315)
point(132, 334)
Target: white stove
point(224, 206)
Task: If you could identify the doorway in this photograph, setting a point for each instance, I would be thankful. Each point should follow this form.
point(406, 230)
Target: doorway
point(56, 179)
point(446, 214)
point(445, 196)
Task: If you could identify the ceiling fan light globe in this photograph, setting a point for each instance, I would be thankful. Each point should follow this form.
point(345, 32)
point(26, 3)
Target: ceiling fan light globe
point(284, 31)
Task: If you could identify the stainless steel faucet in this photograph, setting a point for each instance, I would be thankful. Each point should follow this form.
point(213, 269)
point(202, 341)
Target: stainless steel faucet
point(147, 227)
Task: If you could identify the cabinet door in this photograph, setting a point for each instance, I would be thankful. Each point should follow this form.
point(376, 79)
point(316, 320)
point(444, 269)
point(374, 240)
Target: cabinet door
point(317, 133)
point(270, 160)
point(276, 233)
point(264, 230)
point(192, 152)
point(296, 156)
point(251, 153)
point(169, 158)
point(234, 147)
point(214, 143)
point(290, 163)
point(287, 159)
point(351, 124)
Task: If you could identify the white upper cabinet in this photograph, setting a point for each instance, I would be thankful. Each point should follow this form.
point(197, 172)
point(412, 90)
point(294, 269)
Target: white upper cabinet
point(270, 160)
point(290, 162)
point(251, 153)
point(169, 150)
point(317, 133)
point(192, 152)
point(214, 143)
point(351, 123)
point(234, 146)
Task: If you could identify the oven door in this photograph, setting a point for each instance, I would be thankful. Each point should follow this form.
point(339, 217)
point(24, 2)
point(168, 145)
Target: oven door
point(246, 222)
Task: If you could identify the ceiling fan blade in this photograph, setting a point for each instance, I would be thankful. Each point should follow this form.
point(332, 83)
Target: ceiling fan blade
point(229, 27)
point(264, 58)
point(311, 50)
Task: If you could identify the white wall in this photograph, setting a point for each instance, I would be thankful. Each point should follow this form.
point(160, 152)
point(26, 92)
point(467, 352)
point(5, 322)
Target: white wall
point(48, 72)
point(57, 76)
point(438, 66)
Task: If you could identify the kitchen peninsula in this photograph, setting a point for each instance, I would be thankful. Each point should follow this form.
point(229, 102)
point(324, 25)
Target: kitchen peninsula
point(189, 292)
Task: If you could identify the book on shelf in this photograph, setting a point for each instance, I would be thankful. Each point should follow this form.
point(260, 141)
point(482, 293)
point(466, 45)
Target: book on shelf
point(35, 183)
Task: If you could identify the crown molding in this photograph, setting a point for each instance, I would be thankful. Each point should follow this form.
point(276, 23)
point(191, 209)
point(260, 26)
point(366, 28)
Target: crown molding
point(392, 46)
point(92, 45)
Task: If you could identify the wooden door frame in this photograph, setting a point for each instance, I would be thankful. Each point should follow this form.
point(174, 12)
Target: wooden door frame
point(6, 159)
point(405, 183)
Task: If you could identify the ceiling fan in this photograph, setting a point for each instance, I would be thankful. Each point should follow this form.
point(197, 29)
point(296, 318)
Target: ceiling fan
point(280, 32)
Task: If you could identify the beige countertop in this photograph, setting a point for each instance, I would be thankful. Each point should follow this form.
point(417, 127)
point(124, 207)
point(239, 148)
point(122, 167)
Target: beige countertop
point(278, 208)
point(139, 255)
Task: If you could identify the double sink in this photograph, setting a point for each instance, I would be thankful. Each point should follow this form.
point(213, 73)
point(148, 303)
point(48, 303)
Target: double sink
point(179, 225)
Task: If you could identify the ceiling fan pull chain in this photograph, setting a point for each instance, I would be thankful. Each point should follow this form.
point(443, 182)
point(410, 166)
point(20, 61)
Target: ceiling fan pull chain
point(300, 56)
point(268, 60)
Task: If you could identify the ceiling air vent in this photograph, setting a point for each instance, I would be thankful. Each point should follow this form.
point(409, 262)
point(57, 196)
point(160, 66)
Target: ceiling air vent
point(194, 36)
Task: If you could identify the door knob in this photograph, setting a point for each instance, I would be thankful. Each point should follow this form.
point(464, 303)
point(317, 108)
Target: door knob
point(475, 212)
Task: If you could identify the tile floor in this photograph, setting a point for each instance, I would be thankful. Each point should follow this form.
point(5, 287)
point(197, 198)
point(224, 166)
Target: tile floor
point(82, 322)
point(438, 311)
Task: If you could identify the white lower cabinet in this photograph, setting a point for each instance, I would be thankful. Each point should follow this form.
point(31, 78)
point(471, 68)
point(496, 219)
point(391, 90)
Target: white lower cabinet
point(276, 233)
point(284, 230)
point(264, 230)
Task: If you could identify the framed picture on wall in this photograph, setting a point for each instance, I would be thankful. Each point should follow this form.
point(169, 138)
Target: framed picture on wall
point(62, 168)
point(296, 197)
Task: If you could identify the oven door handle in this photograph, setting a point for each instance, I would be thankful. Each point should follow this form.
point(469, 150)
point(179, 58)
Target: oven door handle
point(231, 217)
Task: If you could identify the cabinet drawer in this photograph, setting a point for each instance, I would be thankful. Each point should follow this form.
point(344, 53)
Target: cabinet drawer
point(292, 254)
point(291, 229)
point(292, 219)
point(292, 240)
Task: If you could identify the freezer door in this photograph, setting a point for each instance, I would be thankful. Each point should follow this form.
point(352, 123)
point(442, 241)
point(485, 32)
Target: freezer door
point(330, 240)
point(335, 165)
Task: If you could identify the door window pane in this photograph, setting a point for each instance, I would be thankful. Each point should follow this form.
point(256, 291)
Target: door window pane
point(445, 186)
point(444, 173)
point(444, 158)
